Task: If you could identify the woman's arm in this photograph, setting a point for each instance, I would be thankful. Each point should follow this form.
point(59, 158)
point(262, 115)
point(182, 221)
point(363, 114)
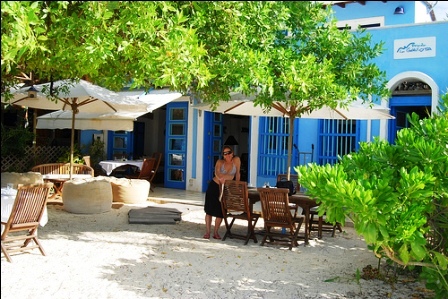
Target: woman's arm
point(218, 173)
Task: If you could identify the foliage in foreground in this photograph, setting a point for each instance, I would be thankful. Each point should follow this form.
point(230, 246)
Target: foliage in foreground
point(395, 194)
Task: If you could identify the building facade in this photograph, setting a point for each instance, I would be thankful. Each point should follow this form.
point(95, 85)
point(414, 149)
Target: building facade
point(415, 61)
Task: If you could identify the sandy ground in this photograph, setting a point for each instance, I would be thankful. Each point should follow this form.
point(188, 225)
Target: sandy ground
point(103, 256)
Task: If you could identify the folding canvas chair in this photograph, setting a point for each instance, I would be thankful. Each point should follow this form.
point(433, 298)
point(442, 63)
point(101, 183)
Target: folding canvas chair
point(277, 216)
point(235, 205)
point(22, 224)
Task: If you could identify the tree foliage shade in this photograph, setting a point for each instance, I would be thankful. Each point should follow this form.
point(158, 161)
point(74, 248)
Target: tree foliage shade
point(286, 51)
point(208, 48)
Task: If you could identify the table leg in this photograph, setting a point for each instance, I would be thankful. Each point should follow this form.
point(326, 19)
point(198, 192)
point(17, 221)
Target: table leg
point(319, 229)
point(57, 188)
point(307, 220)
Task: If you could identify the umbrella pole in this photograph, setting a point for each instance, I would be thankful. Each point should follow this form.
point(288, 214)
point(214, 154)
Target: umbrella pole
point(72, 143)
point(34, 135)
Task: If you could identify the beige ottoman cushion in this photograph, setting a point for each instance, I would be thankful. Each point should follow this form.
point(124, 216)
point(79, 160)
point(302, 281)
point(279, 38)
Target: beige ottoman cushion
point(130, 190)
point(87, 196)
point(24, 178)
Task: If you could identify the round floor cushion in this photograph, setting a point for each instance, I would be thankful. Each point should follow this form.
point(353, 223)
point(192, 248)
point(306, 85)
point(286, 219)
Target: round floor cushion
point(87, 196)
point(130, 190)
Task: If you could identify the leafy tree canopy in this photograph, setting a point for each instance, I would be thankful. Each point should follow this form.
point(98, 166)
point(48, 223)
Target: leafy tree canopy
point(207, 48)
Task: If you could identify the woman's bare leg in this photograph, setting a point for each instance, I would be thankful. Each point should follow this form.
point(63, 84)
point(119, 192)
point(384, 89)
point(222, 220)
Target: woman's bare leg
point(216, 229)
point(208, 225)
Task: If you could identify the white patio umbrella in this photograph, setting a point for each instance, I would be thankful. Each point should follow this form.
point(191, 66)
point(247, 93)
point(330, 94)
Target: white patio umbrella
point(241, 105)
point(116, 121)
point(244, 105)
point(77, 97)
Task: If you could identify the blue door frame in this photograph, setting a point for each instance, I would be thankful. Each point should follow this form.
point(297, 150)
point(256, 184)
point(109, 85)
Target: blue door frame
point(176, 145)
point(213, 135)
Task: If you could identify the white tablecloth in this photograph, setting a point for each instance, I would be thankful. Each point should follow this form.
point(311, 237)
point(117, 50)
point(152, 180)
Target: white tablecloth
point(110, 165)
point(7, 201)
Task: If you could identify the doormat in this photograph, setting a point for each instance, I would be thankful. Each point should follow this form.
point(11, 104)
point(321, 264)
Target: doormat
point(163, 214)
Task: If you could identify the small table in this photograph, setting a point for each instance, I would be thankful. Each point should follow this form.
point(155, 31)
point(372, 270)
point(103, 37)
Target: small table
point(58, 181)
point(110, 165)
point(8, 197)
point(302, 200)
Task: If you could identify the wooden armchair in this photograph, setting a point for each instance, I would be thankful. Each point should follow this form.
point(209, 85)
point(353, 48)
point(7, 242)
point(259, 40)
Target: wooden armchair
point(235, 205)
point(22, 224)
point(277, 214)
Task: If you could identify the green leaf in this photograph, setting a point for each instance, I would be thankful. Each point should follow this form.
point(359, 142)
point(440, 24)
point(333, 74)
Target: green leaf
point(418, 251)
point(404, 254)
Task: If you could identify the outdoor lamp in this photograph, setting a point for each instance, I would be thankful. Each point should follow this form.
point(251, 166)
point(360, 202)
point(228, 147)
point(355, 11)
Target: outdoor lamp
point(231, 141)
point(32, 92)
point(399, 10)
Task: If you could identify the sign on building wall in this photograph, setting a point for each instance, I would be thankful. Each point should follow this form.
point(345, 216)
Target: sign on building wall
point(415, 48)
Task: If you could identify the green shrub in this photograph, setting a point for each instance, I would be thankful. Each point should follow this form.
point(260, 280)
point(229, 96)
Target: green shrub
point(395, 194)
point(15, 140)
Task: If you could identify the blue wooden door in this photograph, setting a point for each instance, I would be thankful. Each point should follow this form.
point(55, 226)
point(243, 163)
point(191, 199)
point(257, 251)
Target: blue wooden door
point(120, 145)
point(176, 145)
point(401, 106)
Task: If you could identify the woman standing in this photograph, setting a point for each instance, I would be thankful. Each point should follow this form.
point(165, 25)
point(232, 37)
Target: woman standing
point(227, 168)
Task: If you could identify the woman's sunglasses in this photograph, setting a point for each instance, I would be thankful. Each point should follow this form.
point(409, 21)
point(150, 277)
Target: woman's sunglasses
point(226, 153)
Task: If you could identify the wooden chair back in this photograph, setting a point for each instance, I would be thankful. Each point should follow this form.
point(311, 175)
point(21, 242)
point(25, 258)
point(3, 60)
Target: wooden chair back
point(276, 213)
point(25, 216)
point(87, 160)
point(147, 168)
point(158, 157)
point(63, 168)
point(235, 205)
point(295, 180)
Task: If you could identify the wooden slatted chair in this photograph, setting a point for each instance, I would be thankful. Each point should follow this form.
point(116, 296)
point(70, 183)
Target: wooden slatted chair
point(21, 228)
point(235, 205)
point(277, 216)
point(146, 171)
point(318, 223)
point(295, 180)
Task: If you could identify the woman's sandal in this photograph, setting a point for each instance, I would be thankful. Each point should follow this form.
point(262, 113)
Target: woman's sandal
point(206, 236)
point(216, 236)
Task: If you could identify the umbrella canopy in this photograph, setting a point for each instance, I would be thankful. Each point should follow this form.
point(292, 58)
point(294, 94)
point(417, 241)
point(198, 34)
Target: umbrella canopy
point(154, 98)
point(239, 105)
point(77, 97)
point(116, 121)
point(243, 105)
